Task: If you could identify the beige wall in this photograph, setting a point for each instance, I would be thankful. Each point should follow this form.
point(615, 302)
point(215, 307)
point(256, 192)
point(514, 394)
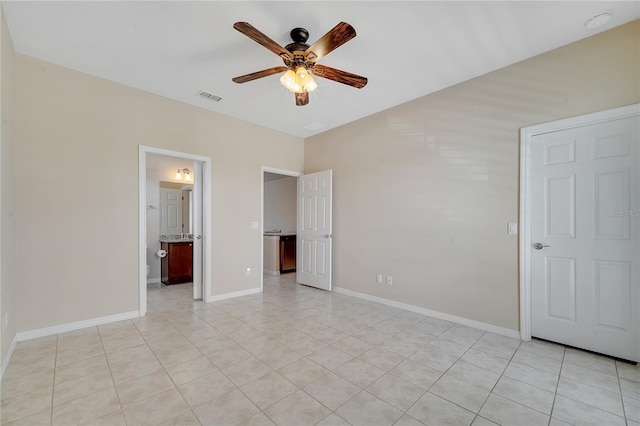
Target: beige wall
point(424, 191)
point(7, 213)
point(77, 189)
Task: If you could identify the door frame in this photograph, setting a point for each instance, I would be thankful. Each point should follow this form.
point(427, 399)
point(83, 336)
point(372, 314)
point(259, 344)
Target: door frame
point(526, 140)
point(142, 220)
point(283, 172)
point(197, 223)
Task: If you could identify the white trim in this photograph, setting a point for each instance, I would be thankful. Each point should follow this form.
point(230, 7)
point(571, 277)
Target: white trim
point(63, 328)
point(71, 326)
point(233, 294)
point(207, 224)
point(526, 137)
point(7, 357)
point(279, 172)
point(142, 230)
point(153, 280)
point(524, 251)
point(196, 228)
point(514, 334)
point(142, 220)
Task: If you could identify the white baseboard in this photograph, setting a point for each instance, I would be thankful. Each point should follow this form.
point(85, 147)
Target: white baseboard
point(62, 328)
point(153, 280)
point(224, 296)
point(77, 325)
point(270, 272)
point(7, 357)
point(514, 334)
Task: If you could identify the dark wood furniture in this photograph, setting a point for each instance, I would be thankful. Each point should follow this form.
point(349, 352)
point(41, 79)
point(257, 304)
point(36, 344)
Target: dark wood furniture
point(177, 265)
point(287, 253)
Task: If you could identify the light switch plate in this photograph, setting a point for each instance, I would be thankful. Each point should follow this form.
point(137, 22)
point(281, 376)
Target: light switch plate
point(512, 228)
point(254, 225)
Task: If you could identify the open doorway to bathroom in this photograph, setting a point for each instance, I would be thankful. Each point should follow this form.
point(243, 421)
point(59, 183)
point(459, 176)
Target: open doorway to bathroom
point(174, 221)
point(279, 221)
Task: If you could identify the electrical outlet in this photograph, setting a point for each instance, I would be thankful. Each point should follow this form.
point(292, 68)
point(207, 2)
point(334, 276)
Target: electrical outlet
point(379, 278)
point(248, 272)
point(389, 280)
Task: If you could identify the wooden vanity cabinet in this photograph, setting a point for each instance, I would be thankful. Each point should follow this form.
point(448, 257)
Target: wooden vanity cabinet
point(177, 265)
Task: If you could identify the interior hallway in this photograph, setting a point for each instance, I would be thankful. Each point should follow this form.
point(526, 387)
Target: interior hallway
point(297, 355)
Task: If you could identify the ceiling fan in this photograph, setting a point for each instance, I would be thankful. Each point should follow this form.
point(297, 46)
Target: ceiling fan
point(300, 59)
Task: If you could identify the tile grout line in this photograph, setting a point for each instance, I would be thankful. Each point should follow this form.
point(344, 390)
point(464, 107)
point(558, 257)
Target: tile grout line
point(115, 389)
point(165, 370)
point(555, 393)
point(53, 385)
point(624, 410)
point(529, 384)
point(494, 385)
point(598, 389)
point(460, 359)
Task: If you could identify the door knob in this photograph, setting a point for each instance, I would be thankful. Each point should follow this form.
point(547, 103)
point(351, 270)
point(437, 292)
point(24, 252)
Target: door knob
point(539, 246)
point(199, 237)
point(326, 236)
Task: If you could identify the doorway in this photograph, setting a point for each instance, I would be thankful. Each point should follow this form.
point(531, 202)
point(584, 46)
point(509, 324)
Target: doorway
point(580, 236)
point(279, 211)
point(199, 214)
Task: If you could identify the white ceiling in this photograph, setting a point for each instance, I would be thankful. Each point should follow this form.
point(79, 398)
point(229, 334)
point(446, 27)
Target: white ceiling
point(406, 49)
point(167, 164)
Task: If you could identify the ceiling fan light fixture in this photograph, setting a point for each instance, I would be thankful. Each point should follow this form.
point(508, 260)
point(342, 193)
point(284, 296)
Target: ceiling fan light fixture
point(298, 81)
point(288, 80)
point(308, 82)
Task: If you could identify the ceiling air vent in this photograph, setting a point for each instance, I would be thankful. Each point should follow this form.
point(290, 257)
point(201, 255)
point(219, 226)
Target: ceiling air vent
point(314, 126)
point(209, 96)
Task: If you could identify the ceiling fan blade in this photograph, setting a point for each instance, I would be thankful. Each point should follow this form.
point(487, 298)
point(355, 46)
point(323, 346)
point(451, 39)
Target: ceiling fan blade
point(258, 74)
point(302, 98)
point(336, 37)
point(254, 34)
point(340, 76)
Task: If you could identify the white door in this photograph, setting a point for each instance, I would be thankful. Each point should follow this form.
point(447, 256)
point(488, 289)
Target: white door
point(584, 235)
point(313, 257)
point(170, 211)
point(196, 215)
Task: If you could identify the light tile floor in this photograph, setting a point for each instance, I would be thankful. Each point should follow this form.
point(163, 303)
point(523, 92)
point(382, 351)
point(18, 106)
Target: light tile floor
point(300, 356)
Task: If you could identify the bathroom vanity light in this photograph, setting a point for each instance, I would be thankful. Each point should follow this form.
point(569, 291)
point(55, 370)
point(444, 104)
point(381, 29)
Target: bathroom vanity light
point(183, 174)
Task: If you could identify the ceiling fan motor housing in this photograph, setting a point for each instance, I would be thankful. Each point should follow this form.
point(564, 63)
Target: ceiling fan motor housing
point(299, 35)
point(299, 45)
